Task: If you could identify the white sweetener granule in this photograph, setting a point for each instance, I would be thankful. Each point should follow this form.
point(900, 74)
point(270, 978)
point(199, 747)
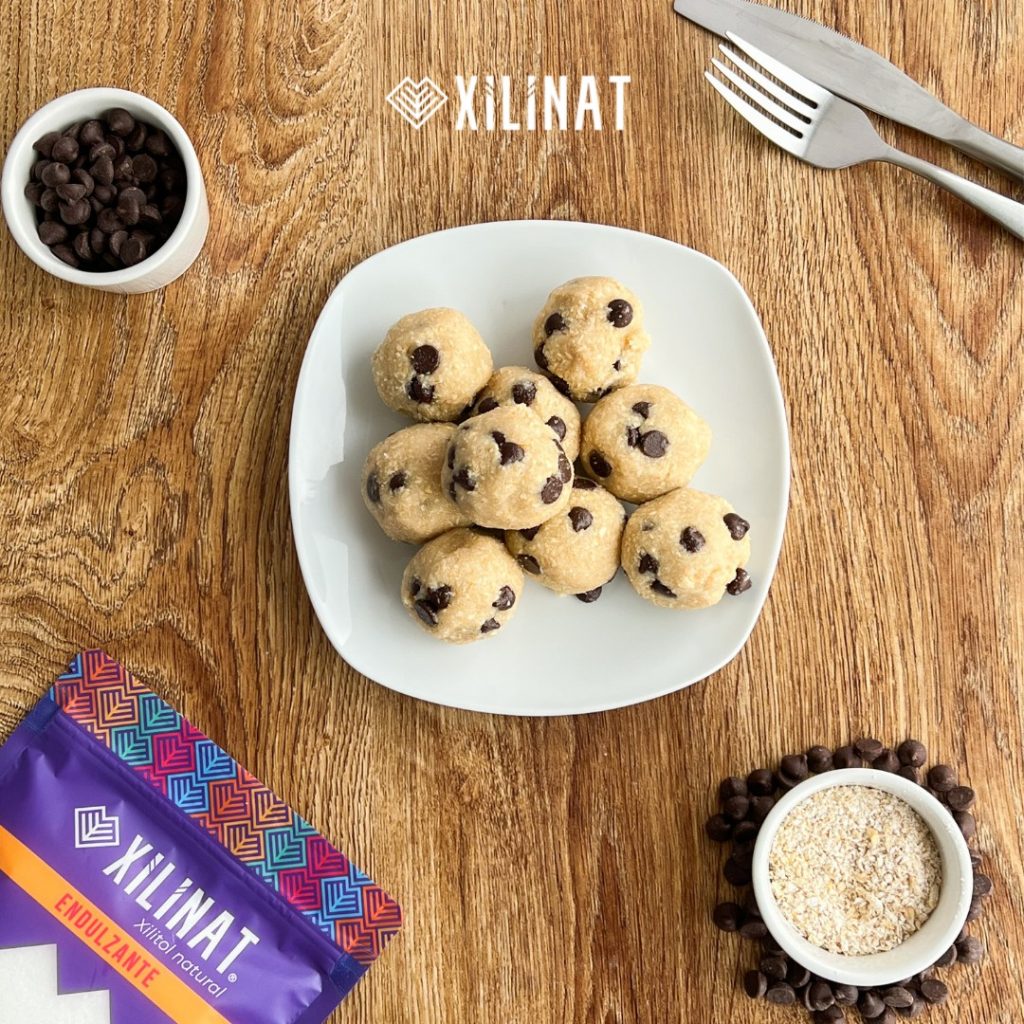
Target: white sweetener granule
point(855, 870)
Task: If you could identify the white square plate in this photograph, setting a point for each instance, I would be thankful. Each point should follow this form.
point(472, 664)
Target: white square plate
point(558, 656)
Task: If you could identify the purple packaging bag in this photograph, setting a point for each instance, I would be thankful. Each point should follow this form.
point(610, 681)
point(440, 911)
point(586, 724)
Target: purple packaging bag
point(146, 877)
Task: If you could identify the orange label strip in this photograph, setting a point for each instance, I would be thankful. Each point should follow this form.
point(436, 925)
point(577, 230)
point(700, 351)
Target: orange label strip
point(134, 962)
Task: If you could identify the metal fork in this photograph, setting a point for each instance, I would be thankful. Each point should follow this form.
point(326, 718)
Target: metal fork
point(826, 131)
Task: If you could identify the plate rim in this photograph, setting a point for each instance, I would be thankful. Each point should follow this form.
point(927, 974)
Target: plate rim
point(294, 502)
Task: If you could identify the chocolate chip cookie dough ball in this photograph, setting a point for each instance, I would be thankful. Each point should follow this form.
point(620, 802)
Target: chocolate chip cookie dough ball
point(431, 364)
point(686, 549)
point(577, 551)
point(643, 441)
point(516, 385)
point(505, 469)
point(590, 337)
point(402, 484)
point(462, 586)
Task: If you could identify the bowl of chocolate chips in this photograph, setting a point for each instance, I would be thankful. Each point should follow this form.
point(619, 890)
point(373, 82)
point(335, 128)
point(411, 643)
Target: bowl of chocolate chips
point(102, 187)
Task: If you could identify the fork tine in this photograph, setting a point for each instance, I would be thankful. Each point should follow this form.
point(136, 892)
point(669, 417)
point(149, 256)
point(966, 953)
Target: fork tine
point(791, 101)
point(796, 81)
point(769, 129)
point(763, 101)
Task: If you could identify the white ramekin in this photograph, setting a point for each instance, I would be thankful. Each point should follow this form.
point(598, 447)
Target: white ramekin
point(923, 948)
point(168, 262)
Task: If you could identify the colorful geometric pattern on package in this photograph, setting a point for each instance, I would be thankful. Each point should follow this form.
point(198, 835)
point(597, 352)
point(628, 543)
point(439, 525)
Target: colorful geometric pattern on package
point(232, 805)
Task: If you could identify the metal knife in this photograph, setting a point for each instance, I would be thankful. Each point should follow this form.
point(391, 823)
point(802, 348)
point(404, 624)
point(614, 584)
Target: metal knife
point(851, 70)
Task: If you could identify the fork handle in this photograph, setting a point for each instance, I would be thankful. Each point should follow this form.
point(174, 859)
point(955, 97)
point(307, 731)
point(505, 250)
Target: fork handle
point(1000, 208)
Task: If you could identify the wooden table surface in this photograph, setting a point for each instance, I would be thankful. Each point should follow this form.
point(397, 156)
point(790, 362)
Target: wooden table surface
point(551, 870)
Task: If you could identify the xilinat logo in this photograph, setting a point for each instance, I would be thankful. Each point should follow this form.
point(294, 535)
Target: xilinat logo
point(96, 828)
point(510, 104)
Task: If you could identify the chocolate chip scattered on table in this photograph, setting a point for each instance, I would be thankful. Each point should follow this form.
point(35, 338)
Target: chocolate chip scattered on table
point(108, 191)
point(744, 803)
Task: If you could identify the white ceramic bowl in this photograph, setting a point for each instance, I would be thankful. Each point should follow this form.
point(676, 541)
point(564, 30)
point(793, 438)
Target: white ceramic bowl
point(924, 947)
point(168, 262)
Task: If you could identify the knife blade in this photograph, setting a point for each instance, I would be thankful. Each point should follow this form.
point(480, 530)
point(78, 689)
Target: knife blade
point(853, 71)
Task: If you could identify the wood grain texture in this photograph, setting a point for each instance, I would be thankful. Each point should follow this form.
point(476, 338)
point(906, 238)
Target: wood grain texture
point(556, 870)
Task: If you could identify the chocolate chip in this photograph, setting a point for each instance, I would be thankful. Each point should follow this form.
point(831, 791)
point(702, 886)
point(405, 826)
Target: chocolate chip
point(819, 996)
point(727, 916)
point(819, 759)
point(960, 798)
point(584, 484)
point(845, 995)
point(133, 251)
point(541, 359)
point(982, 885)
point(830, 1015)
point(739, 583)
point(794, 767)
point(781, 994)
point(52, 232)
point(508, 451)
point(506, 598)
point(648, 563)
point(552, 490)
point(158, 143)
point(55, 174)
point(464, 479)
point(730, 787)
point(736, 525)
point(942, 778)
point(373, 488)
point(760, 807)
point(490, 626)
point(530, 532)
point(560, 384)
point(420, 392)
point(589, 596)
point(870, 1005)
point(797, 975)
point(633, 437)
point(719, 828)
point(555, 322)
point(620, 313)
point(659, 588)
point(487, 404)
point(966, 823)
point(397, 481)
point(934, 991)
point(116, 240)
point(897, 997)
point(908, 771)
point(83, 250)
point(65, 150)
point(581, 518)
point(759, 782)
point(137, 138)
point(755, 984)
point(642, 409)
point(654, 444)
point(912, 752)
point(774, 967)
point(65, 254)
point(524, 392)
point(691, 539)
point(599, 464)
point(846, 757)
point(71, 192)
point(424, 358)
point(529, 564)
point(887, 761)
point(948, 958)
point(144, 168)
point(754, 929)
point(119, 121)
point(868, 748)
point(558, 426)
point(44, 144)
point(450, 458)
point(108, 221)
point(564, 467)
point(75, 213)
point(425, 612)
point(735, 807)
point(91, 133)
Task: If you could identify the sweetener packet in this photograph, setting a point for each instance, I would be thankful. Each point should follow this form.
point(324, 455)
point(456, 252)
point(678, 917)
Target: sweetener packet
point(146, 877)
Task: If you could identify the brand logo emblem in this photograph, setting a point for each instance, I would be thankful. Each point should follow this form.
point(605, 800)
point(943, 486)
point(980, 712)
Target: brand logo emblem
point(418, 101)
point(95, 828)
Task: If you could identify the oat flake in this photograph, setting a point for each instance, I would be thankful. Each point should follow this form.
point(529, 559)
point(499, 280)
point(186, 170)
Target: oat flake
point(855, 870)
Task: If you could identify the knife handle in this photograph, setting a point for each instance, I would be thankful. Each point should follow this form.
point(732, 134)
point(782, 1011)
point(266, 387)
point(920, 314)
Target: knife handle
point(989, 149)
point(1000, 208)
